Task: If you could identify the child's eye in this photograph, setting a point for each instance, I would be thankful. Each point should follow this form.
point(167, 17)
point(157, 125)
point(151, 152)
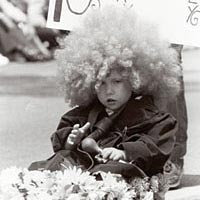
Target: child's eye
point(117, 81)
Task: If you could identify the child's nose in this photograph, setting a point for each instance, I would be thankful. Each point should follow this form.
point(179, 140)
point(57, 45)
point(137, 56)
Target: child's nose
point(109, 89)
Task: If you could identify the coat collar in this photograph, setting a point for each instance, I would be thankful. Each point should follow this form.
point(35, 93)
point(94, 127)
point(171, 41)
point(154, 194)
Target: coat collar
point(137, 109)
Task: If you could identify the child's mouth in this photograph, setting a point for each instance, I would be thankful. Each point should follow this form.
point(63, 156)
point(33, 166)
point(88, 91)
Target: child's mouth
point(111, 100)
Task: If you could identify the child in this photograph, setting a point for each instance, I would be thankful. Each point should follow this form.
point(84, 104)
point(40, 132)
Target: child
point(110, 69)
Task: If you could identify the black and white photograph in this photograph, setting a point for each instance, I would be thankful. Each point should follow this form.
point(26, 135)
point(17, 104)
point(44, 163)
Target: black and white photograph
point(99, 100)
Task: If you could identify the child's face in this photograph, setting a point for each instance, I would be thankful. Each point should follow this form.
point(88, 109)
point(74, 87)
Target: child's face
point(114, 91)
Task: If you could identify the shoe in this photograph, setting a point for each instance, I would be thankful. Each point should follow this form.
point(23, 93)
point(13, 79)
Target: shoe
point(173, 172)
point(3, 60)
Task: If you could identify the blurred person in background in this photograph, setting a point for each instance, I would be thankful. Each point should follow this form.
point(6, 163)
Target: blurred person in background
point(18, 37)
point(174, 166)
point(13, 42)
point(36, 11)
point(3, 59)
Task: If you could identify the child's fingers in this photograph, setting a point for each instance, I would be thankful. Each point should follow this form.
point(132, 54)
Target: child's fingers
point(74, 131)
point(106, 153)
point(84, 128)
point(73, 135)
point(100, 159)
point(114, 157)
point(70, 139)
point(76, 126)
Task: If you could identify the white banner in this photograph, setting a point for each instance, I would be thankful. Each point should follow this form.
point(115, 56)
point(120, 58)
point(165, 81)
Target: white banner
point(179, 20)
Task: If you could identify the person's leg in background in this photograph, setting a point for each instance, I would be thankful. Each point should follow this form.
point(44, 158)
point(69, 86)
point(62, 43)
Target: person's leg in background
point(174, 166)
point(3, 59)
point(14, 44)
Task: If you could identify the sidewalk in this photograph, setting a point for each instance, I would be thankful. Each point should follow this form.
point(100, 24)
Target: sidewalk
point(31, 105)
point(191, 69)
point(187, 193)
point(191, 66)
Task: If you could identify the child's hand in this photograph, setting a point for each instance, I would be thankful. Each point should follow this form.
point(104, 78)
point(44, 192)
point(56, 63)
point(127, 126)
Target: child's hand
point(112, 153)
point(76, 135)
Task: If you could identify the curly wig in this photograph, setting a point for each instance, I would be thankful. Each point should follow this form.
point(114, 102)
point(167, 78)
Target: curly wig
point(111, 38)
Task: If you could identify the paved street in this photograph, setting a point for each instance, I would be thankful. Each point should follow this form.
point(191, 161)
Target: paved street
point(31, 105)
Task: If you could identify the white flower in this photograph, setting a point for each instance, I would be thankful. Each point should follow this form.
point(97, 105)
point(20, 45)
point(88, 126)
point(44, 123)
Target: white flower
point(77, 176)
point(10, 182)
point(74, 197)
point(71, 184)
point(39, 196)
point(148, 196)
point(10, 176)
point(96, 195)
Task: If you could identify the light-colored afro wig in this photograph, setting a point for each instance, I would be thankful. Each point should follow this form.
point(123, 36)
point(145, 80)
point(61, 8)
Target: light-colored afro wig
point(111, 38)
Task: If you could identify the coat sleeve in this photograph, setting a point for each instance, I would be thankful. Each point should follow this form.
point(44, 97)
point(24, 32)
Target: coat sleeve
point(59, 137)
point(64, 128)
point(152, 142)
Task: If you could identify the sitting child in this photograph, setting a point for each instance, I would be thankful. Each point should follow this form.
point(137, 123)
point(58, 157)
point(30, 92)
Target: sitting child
point(111, 68)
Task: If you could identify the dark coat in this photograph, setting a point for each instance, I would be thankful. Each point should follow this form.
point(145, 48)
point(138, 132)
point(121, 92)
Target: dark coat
point(146, 135)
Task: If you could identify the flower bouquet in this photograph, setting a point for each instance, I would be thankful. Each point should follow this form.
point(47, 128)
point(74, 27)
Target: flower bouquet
point(73, 184)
